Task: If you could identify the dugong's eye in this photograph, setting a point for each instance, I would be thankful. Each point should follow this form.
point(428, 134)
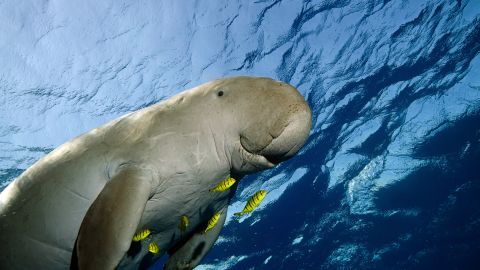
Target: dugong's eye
point(220, 93)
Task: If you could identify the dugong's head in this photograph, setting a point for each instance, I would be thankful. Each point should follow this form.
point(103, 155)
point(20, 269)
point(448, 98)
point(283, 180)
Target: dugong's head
point(265, 121)
point(255, 123)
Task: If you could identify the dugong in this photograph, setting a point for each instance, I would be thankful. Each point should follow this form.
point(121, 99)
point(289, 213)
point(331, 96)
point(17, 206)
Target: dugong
point(79, 206)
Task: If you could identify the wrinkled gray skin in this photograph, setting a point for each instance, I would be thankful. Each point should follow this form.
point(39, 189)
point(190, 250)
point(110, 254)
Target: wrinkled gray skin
point(84, 201)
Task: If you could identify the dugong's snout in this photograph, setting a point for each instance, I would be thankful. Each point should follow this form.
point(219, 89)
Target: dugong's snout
point(281, 125)
point(292, 138)
point(294, 134)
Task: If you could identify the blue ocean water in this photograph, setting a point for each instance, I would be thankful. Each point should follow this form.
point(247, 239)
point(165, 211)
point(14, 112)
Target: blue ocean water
point(389, 178)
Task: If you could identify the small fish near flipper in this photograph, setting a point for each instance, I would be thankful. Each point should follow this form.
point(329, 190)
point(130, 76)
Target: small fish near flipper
point(223, 185)
point(149, 258)
point(212, 222)
point(140, 235)
point(153, 248)
point(136, 244)
point(183, 223)
point(189, 255)
point(253, 203)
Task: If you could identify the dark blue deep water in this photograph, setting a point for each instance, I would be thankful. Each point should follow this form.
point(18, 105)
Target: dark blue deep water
point(390, 177)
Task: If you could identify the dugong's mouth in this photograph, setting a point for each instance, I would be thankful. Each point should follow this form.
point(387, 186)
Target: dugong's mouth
point(278, 148)
point(265, 158)
point(255, 160)
point(264, 144)
point(274, 159)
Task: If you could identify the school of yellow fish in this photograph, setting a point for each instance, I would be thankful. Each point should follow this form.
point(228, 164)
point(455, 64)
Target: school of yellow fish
point(222, 186)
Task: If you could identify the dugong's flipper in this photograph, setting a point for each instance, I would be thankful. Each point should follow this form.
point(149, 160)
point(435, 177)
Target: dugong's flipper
point(107, 229)
point(192, 252)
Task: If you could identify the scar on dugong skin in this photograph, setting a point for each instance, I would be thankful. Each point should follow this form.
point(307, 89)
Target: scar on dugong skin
point(80, 205)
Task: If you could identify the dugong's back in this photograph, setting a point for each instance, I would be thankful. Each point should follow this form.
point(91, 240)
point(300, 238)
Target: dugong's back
point(41, 211)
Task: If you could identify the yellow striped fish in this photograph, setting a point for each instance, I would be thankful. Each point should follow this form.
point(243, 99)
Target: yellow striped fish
point(253, 202)
point(183, 223)
point(223, 185)
point(140, 235)
point(153, 248)
point(212, 222)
